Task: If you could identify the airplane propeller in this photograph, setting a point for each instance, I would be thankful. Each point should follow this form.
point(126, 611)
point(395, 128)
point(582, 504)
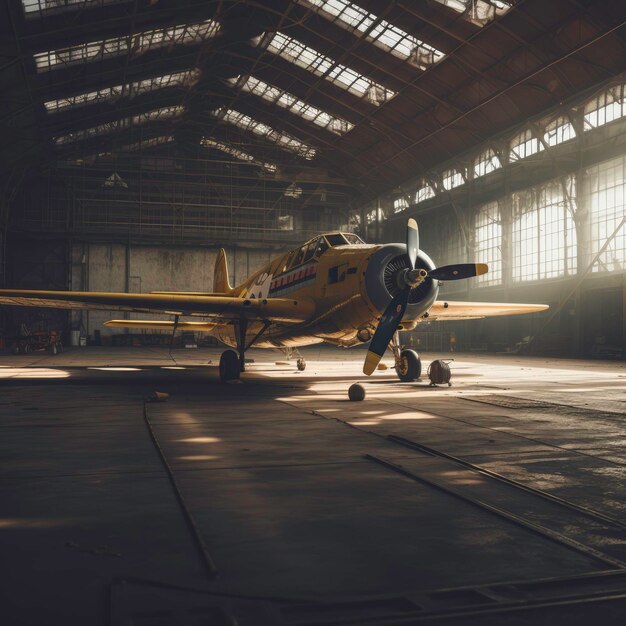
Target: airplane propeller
point(409, 279)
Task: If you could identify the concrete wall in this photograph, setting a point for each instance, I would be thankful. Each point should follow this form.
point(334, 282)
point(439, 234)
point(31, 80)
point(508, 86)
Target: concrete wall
point(141, 269)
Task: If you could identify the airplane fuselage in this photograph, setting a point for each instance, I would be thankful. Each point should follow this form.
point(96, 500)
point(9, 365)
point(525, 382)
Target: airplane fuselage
point(348, 294)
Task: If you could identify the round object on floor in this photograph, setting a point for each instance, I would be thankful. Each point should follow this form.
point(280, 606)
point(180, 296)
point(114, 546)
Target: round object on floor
point(356, 393)
point(230, 368)
point(301, 364)
point(439, 373)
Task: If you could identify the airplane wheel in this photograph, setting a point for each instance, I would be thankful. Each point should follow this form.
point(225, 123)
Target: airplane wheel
point(410, 366)
point(301, 365)
point(229, 366)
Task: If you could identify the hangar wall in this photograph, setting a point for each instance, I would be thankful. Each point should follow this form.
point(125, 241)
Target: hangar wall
point(144, 268)
point(542, 205)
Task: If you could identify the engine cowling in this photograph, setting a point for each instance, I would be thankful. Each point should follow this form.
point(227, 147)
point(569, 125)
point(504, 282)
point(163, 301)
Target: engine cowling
point(381, 284)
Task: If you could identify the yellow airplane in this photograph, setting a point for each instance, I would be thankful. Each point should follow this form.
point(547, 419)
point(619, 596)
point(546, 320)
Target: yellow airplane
point(334, 289)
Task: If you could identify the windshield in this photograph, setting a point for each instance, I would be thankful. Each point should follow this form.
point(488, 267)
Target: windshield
point(336, 239)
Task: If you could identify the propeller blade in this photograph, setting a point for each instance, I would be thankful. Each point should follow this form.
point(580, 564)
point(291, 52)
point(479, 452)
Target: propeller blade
point(459, 271)
point(412, 241)
point(384, 331)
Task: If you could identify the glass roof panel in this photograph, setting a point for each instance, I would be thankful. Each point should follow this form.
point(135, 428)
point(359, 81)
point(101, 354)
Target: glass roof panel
point(480, 12)
point(148, 143)
point(134, 45)
point(36, 8)
point(309, 59)
point(282, 98)
point(209, 142)
point(129, 90)
point(282, 140)
point(379, 32)
point(116, 125)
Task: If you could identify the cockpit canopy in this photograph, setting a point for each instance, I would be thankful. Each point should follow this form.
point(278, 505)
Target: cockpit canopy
point(314, 248)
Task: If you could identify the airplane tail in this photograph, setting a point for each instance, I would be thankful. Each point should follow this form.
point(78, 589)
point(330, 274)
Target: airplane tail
point(221, 284)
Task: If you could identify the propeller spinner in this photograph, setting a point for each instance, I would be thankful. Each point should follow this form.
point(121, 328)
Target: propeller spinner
point(411, 278)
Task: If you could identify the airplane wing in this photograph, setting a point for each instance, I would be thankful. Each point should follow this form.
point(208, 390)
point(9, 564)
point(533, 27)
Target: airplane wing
point(282, 310)
point(162, 325)
point(449, 310)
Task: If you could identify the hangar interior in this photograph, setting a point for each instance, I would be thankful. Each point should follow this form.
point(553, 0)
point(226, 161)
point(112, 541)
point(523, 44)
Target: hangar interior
point(139, 137)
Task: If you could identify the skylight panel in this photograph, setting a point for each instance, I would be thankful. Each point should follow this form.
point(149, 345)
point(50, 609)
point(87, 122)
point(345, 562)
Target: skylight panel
point(134, 45)
point(379, 32)
point(295, 52)
point(282, 140)
point(480, 12)
point(116, 125)
point(148, 143)
point(209, 142)
point(130, 90)
point(36, 8)
point(288, 101)
point(486, 162)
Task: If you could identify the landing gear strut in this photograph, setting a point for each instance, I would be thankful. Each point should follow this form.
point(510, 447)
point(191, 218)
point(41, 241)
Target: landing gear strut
point(232, 362)
point(408, 364)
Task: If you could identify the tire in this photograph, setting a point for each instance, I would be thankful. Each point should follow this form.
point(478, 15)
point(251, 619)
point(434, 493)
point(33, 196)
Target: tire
point(229, 366)
point(410, 367)
point(301, 365)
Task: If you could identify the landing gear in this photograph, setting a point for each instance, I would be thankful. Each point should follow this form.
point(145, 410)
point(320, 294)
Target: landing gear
point(408, 364)
point(232, 362)
point(410, 367)
point(230, 369)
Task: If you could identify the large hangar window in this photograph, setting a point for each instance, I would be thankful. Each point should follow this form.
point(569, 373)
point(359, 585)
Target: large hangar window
point(544, 233)
point(606, 199)
point(488, 246)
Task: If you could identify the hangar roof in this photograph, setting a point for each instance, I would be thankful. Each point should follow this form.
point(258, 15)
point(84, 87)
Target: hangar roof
point(369, 92)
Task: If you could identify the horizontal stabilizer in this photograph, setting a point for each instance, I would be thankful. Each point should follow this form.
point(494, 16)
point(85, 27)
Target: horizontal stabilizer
point(161, 325)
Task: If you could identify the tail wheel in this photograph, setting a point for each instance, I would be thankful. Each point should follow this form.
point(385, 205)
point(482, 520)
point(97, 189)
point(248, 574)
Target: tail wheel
point(409, 366)
point(230, 368)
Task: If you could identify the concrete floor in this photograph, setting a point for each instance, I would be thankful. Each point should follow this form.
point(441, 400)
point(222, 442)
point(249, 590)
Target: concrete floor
point(275, 500)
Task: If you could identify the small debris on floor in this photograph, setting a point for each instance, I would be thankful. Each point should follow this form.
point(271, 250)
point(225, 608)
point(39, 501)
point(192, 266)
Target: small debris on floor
point(157, 396)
